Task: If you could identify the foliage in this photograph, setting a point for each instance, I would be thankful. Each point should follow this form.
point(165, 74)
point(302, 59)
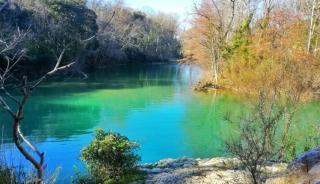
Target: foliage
point(13, 174)
point(63, 25)
point(129, 35)
point(75, 22)
point(110, 157)
point(240, 40)
point(10, 174)
point(130, 177)
point(95, 33)
point(265, 49)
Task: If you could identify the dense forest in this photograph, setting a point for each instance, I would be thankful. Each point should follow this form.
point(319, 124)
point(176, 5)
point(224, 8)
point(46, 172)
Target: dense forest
point(93, 33)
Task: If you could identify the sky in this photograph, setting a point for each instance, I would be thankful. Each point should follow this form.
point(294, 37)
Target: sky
point(180, 7)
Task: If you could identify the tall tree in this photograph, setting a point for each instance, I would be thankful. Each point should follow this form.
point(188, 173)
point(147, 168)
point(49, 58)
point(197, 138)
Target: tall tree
point(217, 18)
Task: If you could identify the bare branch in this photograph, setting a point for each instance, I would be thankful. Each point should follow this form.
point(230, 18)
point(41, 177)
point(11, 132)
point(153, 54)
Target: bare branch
point(232, 18)
point(217, 9)
point(17, 111)
point(4, 6)
point(6, 107)
point(59, 59)
point(39, 81)
point(9, 95)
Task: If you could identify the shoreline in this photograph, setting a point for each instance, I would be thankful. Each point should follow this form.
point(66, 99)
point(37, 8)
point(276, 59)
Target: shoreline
point(305, 168)
point(206, 171)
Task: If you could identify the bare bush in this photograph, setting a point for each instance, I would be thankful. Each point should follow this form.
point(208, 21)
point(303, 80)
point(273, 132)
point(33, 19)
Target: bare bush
point(255, 144)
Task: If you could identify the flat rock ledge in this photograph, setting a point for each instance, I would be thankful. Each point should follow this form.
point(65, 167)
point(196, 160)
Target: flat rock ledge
point(202, 171)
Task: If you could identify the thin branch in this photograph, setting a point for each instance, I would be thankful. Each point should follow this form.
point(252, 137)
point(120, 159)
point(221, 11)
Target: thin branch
point(16, 40)
point(38, 82)
point(218, 10)
point(59, 59)
point(21, 55)
point(4, 6)
point(3, 89)
point(6, 107)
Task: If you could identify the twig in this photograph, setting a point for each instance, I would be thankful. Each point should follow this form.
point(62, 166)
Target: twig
point(6, 107)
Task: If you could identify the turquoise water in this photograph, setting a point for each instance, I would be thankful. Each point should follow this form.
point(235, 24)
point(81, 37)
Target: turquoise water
point(153, 105)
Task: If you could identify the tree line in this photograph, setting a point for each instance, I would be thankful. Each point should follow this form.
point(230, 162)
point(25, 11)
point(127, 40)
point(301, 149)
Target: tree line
point(247, 45)
point(93, 33)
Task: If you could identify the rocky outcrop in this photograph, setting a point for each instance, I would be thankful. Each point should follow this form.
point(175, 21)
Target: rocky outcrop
point(204, 171)
point(304, 169)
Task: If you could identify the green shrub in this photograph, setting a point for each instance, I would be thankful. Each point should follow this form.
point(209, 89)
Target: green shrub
point(110, 157)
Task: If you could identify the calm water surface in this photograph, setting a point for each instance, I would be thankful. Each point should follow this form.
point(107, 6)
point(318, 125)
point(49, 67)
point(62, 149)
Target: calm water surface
point(151, 104)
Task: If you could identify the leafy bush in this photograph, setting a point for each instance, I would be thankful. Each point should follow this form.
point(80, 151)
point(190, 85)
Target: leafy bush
point(110, 157)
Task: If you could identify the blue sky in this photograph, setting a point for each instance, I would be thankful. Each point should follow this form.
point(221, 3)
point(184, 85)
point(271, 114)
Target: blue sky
point(179, 7)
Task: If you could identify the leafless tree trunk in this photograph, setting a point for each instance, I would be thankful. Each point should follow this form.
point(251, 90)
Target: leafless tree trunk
point(311, 30)
point(16, 111)
point(268, 6)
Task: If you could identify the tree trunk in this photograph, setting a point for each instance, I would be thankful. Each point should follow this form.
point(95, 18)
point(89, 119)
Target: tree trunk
point(36, 164)
point(17, 135)
point(311, 26)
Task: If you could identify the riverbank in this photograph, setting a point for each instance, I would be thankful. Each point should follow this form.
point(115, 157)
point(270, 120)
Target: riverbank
point(206, 171)
point(303, 169)
point(207, 86)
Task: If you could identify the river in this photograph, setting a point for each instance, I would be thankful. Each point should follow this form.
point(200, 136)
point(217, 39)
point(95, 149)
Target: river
point(153, 105)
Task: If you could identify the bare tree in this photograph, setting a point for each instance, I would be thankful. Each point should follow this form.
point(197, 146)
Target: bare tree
point(313, 16)
point(15, 104)
point(255, 145)
point(220, 17)
point(268, 6)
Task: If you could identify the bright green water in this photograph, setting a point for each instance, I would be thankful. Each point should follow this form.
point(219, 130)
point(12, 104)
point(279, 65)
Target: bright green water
point(151, 104)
